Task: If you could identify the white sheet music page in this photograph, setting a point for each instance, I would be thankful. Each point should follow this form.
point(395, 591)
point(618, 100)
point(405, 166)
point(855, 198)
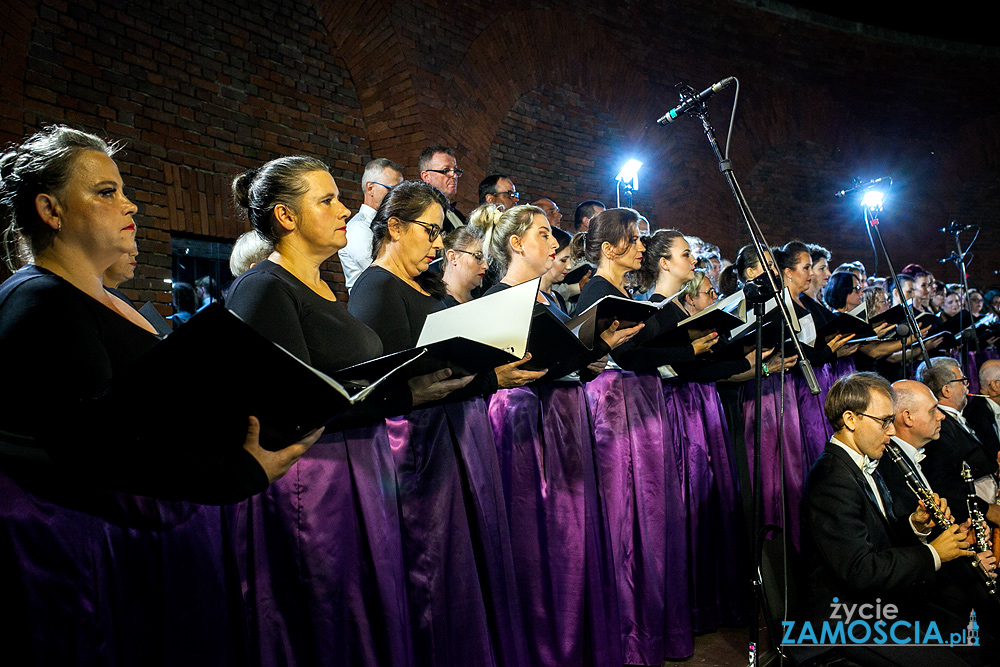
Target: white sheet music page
point(502, 319)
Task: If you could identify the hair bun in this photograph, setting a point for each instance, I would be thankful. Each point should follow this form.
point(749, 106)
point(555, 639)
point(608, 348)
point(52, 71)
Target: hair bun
point(241, 187)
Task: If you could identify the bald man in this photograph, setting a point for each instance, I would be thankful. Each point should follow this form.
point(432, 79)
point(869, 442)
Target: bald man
point(918, 423)
point(552, 213)
point(983, 414)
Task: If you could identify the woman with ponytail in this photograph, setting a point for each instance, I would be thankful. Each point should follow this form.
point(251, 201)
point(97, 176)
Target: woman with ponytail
point(321, 551)
point(89, 572)
point(545, 444)
point(700, 440)
point(638, 473)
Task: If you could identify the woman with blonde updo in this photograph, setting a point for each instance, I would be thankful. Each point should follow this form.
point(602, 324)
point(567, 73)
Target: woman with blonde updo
point(545, 443)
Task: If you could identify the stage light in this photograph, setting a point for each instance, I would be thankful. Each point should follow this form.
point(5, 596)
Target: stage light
point(873, 199)
point(628, 178)
point(629, 175)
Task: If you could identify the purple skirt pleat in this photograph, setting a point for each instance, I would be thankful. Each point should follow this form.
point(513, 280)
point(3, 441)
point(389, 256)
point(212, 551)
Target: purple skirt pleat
point(792, 449)
point(717, 552)
point(638, 467)
point(101, 578)
point(816, 430)
point(560, 538)
point(461, 585)
point(973, 370)
point(321, 558)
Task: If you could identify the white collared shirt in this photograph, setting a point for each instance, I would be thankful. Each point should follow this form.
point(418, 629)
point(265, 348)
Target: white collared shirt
point(911, 453)
point(356, 256)
point(986, 486)
point(859, 460)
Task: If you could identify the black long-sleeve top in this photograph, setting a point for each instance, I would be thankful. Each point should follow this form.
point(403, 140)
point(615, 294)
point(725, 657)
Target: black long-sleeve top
point(320, 332)
point(704, 368)
point(61, 349)
point(397, 312)
point(632, 355)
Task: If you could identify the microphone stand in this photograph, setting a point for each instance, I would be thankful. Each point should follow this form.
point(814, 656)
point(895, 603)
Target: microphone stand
point(911, 320)
point(959, 259)
point(700, 110)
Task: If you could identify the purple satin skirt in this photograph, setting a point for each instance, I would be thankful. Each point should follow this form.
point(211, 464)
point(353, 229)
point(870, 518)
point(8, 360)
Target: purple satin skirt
point(638, 479)
point(816, 430)
point(321, 558)
point(792, 470)
point(560, 537)
point(461, 585)
point(100, 578)
point(973, 369)
point(717, 551)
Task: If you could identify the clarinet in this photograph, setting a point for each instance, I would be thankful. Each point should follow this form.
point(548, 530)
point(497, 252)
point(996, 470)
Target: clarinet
point(971, 502)
point(924, 494)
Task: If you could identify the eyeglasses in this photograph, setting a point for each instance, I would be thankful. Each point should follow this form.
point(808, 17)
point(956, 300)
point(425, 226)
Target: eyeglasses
point(856, 288)
point(964, 381)
point(711, 292)
point(433, 231)
point(387, 187)
point(511, 193)
point(457, 173)
point(478, 256)
point(884, 422)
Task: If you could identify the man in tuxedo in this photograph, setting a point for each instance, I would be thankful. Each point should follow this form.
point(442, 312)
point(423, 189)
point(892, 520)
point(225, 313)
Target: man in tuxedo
point(958, 443)
point(856, 551)
point(983, 414)
point(856, 548)
point(439, 167)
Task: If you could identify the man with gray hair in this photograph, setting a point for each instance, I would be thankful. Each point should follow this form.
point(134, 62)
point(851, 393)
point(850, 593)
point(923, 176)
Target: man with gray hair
point(958, 443)
point(983, 412)
point(381, 175)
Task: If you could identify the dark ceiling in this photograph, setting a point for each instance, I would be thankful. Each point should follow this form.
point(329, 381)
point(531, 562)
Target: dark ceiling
point(962, 22)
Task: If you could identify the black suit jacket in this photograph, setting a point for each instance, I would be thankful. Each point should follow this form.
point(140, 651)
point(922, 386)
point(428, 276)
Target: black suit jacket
point(851, 550)
point(981, 419)
point(943, 465)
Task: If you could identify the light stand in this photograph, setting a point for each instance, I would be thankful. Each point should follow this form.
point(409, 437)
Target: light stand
point(871, 207)
point(695, 105)
point(959, 257)
point(627, 179)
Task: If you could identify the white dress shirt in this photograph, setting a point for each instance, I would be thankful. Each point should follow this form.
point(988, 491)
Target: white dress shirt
point(356, 256)
point(860, 460)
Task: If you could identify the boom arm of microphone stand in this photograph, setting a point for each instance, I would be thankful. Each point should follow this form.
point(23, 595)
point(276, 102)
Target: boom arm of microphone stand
point(757, 238)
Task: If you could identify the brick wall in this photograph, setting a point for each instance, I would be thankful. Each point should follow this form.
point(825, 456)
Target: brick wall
point(553, 94)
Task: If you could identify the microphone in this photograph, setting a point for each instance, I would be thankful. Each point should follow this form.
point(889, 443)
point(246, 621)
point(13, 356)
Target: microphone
point(691, 102)
point(950, 258)
point(861, 186)
point(954, 227)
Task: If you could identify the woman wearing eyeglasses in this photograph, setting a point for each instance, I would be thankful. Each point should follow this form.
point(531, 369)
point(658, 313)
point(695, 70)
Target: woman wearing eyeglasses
point(464, 263)
point(457, 553)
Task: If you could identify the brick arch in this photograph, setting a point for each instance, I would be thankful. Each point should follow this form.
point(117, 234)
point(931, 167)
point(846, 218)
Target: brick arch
point(560, 143)
point(14, 41)
point(530, 49)
point(363, 35)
